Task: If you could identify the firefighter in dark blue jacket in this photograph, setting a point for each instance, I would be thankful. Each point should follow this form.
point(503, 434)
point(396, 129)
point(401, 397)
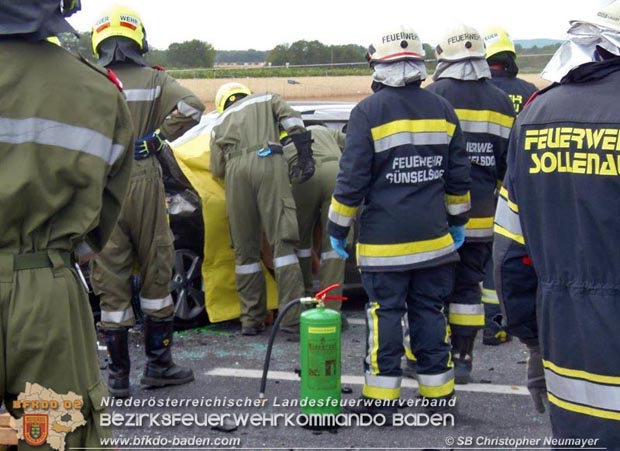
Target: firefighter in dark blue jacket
point(556, 264)
point(486, 117)
point(502, 59)
point(405, 163)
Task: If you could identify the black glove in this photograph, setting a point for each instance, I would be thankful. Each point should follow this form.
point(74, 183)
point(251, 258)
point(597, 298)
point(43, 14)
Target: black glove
point(148, 145)
point(303, 169)
point(536, 379)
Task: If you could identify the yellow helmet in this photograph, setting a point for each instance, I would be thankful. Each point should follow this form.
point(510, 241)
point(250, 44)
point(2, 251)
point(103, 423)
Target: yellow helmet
point(119, 21)
point(498, 40)
point(228, 93)
point(459, 43)
point(394, 45)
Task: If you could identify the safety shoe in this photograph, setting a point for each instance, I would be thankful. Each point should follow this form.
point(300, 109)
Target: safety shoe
point(410, 368)
point(494, 337)
point(462, 368)
point(251, 331)
point(119, 365)
point(160, 370)
point(383, 409)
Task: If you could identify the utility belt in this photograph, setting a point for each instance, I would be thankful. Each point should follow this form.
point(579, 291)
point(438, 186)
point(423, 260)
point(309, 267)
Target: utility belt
point(262, 152)
point(36, 260)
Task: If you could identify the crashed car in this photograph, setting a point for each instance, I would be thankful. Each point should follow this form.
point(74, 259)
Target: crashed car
point(203, 283)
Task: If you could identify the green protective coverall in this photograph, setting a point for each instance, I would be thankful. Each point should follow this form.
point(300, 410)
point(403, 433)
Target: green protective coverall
point(143, 235)
point(312, 199)
point(259, 197)
point(64, 171)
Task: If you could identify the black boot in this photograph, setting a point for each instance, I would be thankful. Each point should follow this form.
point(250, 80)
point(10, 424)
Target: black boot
point(118, 369)
point(160, 370)
point(463, 356)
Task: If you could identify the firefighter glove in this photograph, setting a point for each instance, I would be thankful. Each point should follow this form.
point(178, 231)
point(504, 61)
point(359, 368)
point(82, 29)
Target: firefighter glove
point(536, 379)
point(303, 169)
point(148, 145)
point(458, 235)
point(339, 246)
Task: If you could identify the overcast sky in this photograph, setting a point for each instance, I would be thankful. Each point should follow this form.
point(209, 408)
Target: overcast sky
point(263, 24)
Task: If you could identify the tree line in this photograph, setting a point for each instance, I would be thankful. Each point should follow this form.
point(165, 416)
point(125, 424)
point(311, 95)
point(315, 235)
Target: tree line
point(201, 54)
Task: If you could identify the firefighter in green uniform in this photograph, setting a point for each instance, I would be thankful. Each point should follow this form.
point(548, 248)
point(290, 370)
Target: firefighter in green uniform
point(312, 200)
point(245, 149)
point(64, 171)
point(161, 109)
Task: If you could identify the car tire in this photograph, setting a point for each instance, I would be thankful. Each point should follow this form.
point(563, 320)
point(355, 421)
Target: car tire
point(187, 292)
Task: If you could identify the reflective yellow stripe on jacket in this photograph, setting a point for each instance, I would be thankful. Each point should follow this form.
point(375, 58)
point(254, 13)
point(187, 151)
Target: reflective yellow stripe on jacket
point(412, 131)
point(485, 121)
point(456, 205)
point(341, 214)
point(507, 221)
point(404, 253)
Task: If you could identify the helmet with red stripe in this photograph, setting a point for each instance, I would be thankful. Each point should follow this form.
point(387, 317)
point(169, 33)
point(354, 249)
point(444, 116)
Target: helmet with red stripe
point(396, 45)
point(119, 21)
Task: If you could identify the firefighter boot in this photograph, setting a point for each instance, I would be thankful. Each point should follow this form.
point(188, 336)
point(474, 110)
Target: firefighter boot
point(118, 368)
point(462, 356)
point(493, 334)
point(160, 370)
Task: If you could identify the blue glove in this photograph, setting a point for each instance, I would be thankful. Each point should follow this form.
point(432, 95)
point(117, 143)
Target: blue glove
point(458, 235)
point(339, 246)
point(148, 145)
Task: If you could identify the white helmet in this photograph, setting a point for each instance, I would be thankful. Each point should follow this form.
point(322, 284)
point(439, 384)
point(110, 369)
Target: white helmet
point(396, 45)
point(459, 43)
point(608, 17)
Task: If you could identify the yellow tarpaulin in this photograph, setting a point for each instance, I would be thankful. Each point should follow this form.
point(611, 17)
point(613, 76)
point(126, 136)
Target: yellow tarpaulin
point(218, 266)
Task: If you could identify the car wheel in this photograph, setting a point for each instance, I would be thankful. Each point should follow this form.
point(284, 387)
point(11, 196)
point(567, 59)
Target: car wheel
point(186, 290)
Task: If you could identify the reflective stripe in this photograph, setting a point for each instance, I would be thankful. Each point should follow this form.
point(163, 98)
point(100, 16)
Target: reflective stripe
point(142, 95)
point(466, 315)
point(241, 105)
point(373, 337)
point(479, 227)
point(415, 132)
point(381, 387)
point(285, 260)
point(291, 122)
point(583, 392)
point(304, 253)
point(436, 385)
point(117, 317)
point(507, 219)
point(52, 133)
point(250, 268)
point(503, 192)
point(189, 111)
point(458, 204)
point(489, 296)
point(485, 121)
point(155, 304)
point(331, 255)
point(580, 374)
point(404, 253)
point(582, 409)
point(341, 214)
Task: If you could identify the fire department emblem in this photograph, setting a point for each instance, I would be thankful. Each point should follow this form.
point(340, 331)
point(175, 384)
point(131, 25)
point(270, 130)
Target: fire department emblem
point(36, 427)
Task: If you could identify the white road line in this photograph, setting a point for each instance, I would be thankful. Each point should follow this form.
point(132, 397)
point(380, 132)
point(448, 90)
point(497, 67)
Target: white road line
point(361, 321)
point(359, 380)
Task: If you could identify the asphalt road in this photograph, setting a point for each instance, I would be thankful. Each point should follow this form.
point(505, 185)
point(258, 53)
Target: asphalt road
point(492, 413)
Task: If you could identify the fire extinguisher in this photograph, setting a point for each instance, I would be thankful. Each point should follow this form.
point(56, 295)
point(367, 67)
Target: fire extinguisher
point(320, 331)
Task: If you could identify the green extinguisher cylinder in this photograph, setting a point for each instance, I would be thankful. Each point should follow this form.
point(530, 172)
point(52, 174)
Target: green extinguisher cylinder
point(320, 361)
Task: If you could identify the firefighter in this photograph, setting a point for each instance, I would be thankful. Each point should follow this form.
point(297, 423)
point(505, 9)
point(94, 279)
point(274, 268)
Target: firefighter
point(486, 117)
point(246, 152)
point(556, 264)
point(312, 200)
point(501, 56)
point(64, 171)
point(161, 109)
point(405, 162)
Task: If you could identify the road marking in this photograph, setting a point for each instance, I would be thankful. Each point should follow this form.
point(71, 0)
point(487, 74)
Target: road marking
point(360, 321)
point(359, 380)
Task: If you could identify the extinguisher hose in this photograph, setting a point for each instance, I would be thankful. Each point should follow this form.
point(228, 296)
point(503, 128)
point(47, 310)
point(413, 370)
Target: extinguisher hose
point(274, 331)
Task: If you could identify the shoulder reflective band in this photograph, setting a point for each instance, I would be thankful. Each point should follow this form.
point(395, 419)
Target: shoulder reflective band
point(142, 95)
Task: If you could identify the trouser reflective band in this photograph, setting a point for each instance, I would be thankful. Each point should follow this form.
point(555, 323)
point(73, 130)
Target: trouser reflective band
point(436, 385)
point(155, 304)
point(466, 315)
point(331, 255)
point(489, 296)
point(117, 317)
point(407, 339)
point(285, 260)
point(250, 268)
point(381, 387)
point(582, 392)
